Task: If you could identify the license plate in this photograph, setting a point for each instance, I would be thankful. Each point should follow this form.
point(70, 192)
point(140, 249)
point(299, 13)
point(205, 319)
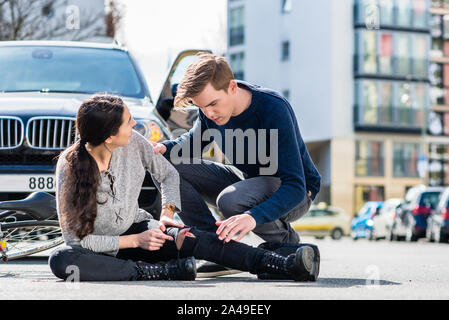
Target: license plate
point(27, 182)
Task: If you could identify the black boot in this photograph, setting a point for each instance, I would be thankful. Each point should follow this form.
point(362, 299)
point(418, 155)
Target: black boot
point(298, 266)
point(285, 249)
point(179, 269)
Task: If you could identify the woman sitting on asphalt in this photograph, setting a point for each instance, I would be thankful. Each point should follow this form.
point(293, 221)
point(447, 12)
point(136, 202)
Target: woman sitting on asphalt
point(107, 236)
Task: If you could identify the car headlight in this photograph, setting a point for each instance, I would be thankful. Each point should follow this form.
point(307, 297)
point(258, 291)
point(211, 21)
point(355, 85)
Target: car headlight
point(370, 223)
point(150, 130)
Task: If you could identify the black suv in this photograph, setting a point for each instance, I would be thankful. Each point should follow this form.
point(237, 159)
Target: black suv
point(42, 85)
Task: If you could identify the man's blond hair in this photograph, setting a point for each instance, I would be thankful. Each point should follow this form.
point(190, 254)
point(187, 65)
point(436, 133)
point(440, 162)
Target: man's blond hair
point(208, 68)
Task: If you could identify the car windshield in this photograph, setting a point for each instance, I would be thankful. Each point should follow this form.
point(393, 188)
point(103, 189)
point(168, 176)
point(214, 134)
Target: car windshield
point(429, 199)
point(68, 69)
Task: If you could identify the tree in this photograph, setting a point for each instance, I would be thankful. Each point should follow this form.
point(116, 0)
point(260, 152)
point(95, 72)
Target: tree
point(51, 20)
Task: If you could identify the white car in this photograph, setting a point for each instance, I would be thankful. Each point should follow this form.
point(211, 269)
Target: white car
point(384, 220)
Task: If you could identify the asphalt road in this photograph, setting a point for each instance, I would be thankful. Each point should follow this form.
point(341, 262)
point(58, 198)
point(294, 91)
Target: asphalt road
point(349, 270)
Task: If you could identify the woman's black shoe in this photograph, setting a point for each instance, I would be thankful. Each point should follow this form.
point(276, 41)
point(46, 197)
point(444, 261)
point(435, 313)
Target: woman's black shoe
point(179, 269)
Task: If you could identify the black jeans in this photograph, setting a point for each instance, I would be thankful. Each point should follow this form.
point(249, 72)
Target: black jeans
point(232, 192)
point(92, 266)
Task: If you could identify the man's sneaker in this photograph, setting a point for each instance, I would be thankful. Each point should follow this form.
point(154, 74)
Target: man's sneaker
point(285, 249)
point(207, 269)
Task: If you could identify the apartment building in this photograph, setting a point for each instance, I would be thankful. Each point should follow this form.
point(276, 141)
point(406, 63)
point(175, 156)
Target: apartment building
point(358, 75)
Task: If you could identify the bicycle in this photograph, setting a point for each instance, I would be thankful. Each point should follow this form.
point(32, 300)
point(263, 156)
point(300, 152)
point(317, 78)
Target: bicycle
point(28, 226)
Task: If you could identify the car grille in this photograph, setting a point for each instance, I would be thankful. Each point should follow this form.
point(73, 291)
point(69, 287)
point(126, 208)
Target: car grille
point(50, 133)
point(11, 132)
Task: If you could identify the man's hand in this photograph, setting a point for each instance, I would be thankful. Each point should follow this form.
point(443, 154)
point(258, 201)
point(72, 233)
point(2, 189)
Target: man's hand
point(228, 228)
point(158, 147)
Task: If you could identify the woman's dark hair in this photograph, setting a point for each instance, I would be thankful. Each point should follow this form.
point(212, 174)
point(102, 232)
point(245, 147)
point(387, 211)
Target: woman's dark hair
point(98, 118)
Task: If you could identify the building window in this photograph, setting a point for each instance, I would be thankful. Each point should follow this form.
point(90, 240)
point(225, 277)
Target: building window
point(435, 26)
point(392, 53)
point(404, 10)
point(438, 168)
point(236, 61)
point(369, 109)
point(446, 123)
point(405, 159)
point(365, 193)
point(391, 104)
point(435, 74)
point(386, 103)
point(435, 124)
point(401, 13)
point(404, 103)
point(386, 12)
point(420, 64)
point(420, 13)
point(286, 6)
point(403, 54)
point(370, 52)
point(236, 26)
point(419, 103)
point(446, 27)
point(285, 55)
point(386, 53)
point(369, 158)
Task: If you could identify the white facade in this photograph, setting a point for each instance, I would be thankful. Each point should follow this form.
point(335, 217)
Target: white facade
point(318, 73)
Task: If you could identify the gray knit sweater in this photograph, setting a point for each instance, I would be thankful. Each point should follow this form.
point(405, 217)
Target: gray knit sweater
point(126, 173)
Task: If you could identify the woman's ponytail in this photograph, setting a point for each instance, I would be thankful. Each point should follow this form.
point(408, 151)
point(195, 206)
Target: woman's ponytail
point(98, 118)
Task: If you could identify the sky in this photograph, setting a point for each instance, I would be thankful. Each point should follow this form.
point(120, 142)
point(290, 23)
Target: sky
point(155, 31)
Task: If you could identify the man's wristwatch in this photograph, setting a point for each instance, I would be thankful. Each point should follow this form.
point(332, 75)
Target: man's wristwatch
point(169, 206)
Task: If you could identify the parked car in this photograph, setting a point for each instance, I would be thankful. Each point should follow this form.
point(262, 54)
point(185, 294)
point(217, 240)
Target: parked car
point(362, 223)
point(438, 221)
point(411, 219)
point(398, 230)
point(383, 220)
point(42, 85)
point(322, 220)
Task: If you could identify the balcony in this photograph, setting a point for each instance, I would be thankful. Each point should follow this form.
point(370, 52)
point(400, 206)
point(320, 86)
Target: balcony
point(439, 7)
point(391, 18)
point(394, 68)
point(388, 119)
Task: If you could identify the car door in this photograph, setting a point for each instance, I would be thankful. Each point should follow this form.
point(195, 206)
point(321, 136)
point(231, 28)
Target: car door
point(179, 120)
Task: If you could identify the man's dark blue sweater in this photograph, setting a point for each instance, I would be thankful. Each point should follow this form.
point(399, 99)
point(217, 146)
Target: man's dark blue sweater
point(270, 111)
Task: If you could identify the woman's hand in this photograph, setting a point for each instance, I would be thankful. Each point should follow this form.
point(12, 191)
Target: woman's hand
point(152, 239)
point(158, 147)
point(167, 220)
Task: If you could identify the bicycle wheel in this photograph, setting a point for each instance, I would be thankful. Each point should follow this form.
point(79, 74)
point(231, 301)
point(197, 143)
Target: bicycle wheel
point(28, 237)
